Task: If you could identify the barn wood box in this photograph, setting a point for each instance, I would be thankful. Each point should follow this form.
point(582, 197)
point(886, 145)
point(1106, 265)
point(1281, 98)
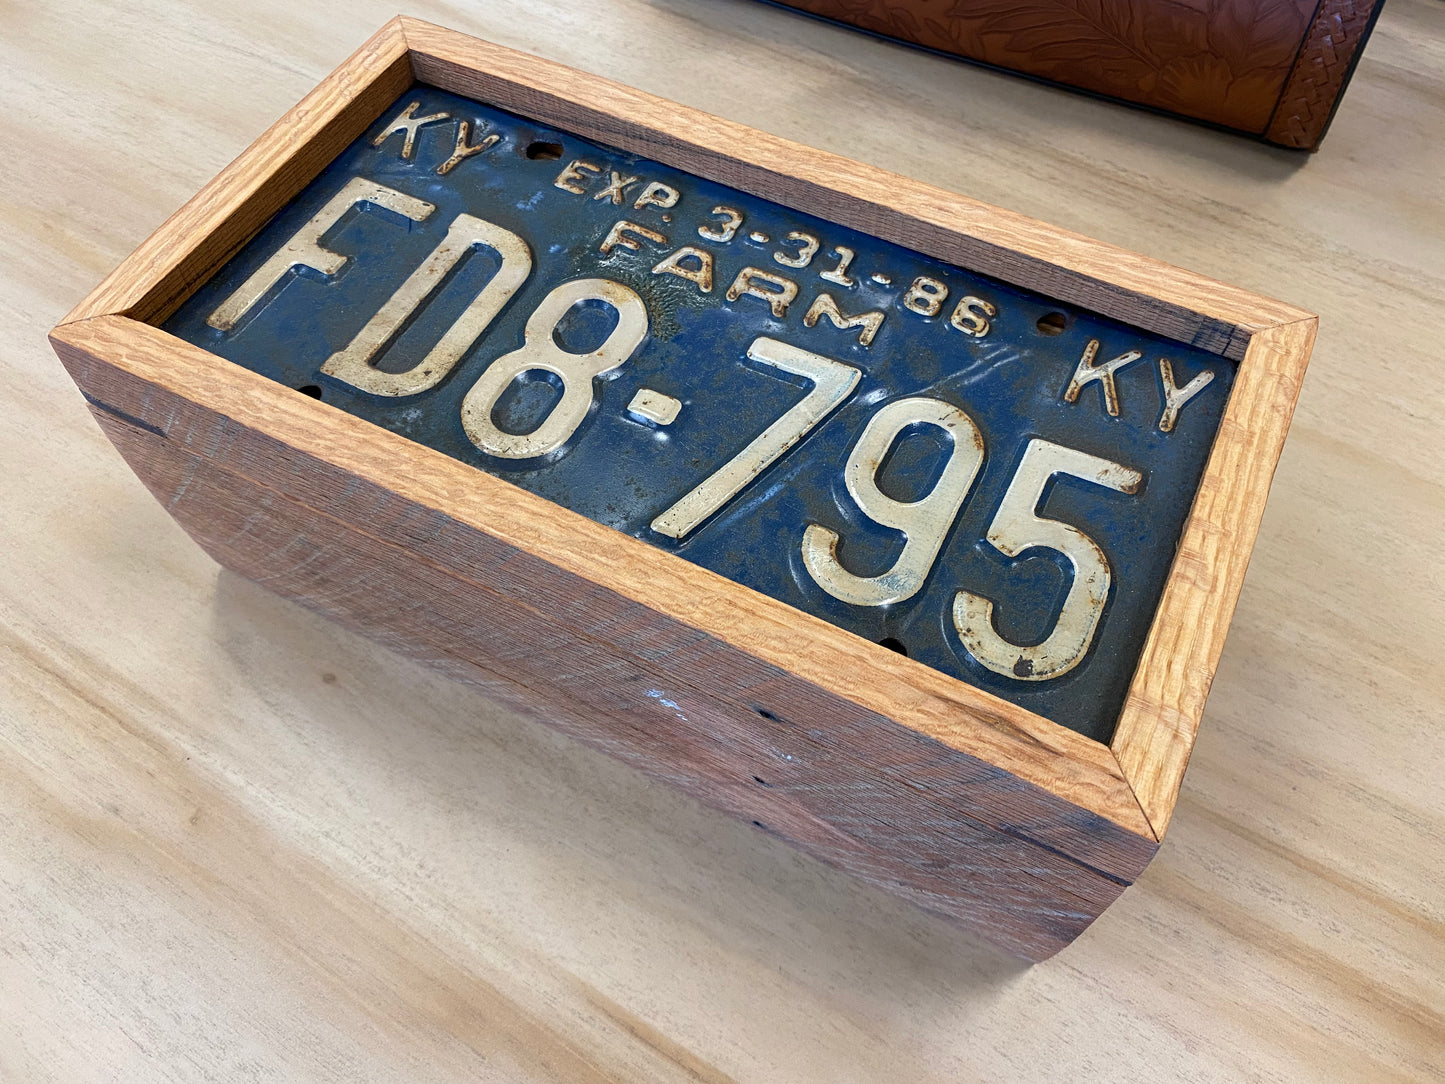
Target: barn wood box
point(913, 781)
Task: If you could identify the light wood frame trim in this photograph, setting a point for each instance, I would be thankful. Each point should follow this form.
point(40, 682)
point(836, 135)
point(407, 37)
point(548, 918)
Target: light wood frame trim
point(1092, 274)
point(1133, 783)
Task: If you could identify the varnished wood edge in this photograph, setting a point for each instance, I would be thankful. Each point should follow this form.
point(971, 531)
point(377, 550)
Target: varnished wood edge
point(191, 245)
point(1035, 751)
point(1155, 732)
point(196, 241)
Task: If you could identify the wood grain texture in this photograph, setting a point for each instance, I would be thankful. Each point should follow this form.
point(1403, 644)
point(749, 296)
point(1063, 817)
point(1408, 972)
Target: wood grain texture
point(1027, 899)
point(1223, 61)
point(238, 843)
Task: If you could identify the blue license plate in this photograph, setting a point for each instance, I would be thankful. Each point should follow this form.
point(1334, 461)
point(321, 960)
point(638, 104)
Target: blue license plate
point(988, 481)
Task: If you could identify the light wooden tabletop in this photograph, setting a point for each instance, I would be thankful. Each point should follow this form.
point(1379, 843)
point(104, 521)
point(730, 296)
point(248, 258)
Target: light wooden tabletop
point(240, 844)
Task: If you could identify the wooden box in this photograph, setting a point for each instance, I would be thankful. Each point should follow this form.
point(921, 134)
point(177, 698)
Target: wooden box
point(921, 784)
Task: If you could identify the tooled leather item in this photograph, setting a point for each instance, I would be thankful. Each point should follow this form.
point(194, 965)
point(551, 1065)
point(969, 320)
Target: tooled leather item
point(1271, 68)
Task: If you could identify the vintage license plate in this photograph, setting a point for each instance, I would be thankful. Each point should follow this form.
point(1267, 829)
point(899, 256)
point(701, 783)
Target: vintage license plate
point(986, 480)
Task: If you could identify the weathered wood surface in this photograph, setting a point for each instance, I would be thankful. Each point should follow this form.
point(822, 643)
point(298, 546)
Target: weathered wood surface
point(241, 843)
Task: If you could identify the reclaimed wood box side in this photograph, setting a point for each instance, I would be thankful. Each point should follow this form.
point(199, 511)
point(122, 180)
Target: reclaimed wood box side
point(1025, 830)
